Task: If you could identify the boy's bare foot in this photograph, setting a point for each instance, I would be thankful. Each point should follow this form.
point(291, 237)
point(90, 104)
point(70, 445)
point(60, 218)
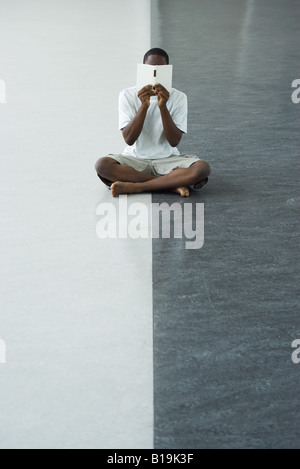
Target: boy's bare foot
point(118, 188)
point(183, 191)
point(200, 184)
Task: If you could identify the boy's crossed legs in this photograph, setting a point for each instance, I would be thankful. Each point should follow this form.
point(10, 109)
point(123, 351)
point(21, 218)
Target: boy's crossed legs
point(125, 179)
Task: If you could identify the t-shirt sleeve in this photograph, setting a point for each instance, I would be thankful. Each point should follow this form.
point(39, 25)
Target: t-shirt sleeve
point(126, 110)
point(180, 113)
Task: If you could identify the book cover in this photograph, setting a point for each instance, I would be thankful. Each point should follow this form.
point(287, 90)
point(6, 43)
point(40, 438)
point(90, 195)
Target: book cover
point(153, 74)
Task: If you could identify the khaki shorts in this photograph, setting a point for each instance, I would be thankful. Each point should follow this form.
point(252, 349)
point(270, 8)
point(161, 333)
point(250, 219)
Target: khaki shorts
point(159, 167)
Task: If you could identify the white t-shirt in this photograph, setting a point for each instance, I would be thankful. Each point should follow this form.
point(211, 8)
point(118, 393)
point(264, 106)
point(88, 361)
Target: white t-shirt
point(152, 143)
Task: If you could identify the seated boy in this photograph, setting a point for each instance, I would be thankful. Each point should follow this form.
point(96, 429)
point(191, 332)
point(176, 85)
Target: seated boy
point(152, 122)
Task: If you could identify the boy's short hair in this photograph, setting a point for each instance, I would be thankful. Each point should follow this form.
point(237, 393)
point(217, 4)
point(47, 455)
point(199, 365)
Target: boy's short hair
point(157, 51)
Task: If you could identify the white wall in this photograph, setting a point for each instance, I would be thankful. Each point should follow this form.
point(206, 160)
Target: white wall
point(75, 311)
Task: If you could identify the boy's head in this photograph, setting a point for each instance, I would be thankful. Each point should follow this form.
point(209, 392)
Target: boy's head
point(156, 56)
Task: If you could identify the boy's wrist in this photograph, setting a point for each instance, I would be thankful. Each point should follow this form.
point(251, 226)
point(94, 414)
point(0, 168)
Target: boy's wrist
point(145, 105)
point(162, 106)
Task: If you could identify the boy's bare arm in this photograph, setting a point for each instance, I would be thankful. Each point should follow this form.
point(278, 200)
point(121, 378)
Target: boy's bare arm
point(133, 130)
point(172, 133)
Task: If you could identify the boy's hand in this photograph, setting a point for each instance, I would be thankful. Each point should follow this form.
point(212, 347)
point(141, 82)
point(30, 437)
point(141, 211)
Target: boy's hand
point(162, 94)
point(145, 95)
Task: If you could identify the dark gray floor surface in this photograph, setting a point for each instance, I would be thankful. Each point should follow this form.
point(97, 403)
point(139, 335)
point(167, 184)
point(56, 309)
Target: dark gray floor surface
point(226, 315)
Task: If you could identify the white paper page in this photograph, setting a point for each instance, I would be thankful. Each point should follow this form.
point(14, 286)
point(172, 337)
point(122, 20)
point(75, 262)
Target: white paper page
point(146, 75)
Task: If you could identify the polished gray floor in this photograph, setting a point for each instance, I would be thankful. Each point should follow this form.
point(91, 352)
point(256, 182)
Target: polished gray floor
point(226, 315)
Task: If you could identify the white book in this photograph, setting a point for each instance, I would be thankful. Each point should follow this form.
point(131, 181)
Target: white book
point(154, 74)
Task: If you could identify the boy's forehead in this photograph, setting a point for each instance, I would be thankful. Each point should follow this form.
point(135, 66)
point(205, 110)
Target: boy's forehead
point(156, 60)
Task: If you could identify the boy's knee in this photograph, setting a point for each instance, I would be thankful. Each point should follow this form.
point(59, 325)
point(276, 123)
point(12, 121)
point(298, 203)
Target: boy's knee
point(102, 164)
point(207, 168)
point(203, 168)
